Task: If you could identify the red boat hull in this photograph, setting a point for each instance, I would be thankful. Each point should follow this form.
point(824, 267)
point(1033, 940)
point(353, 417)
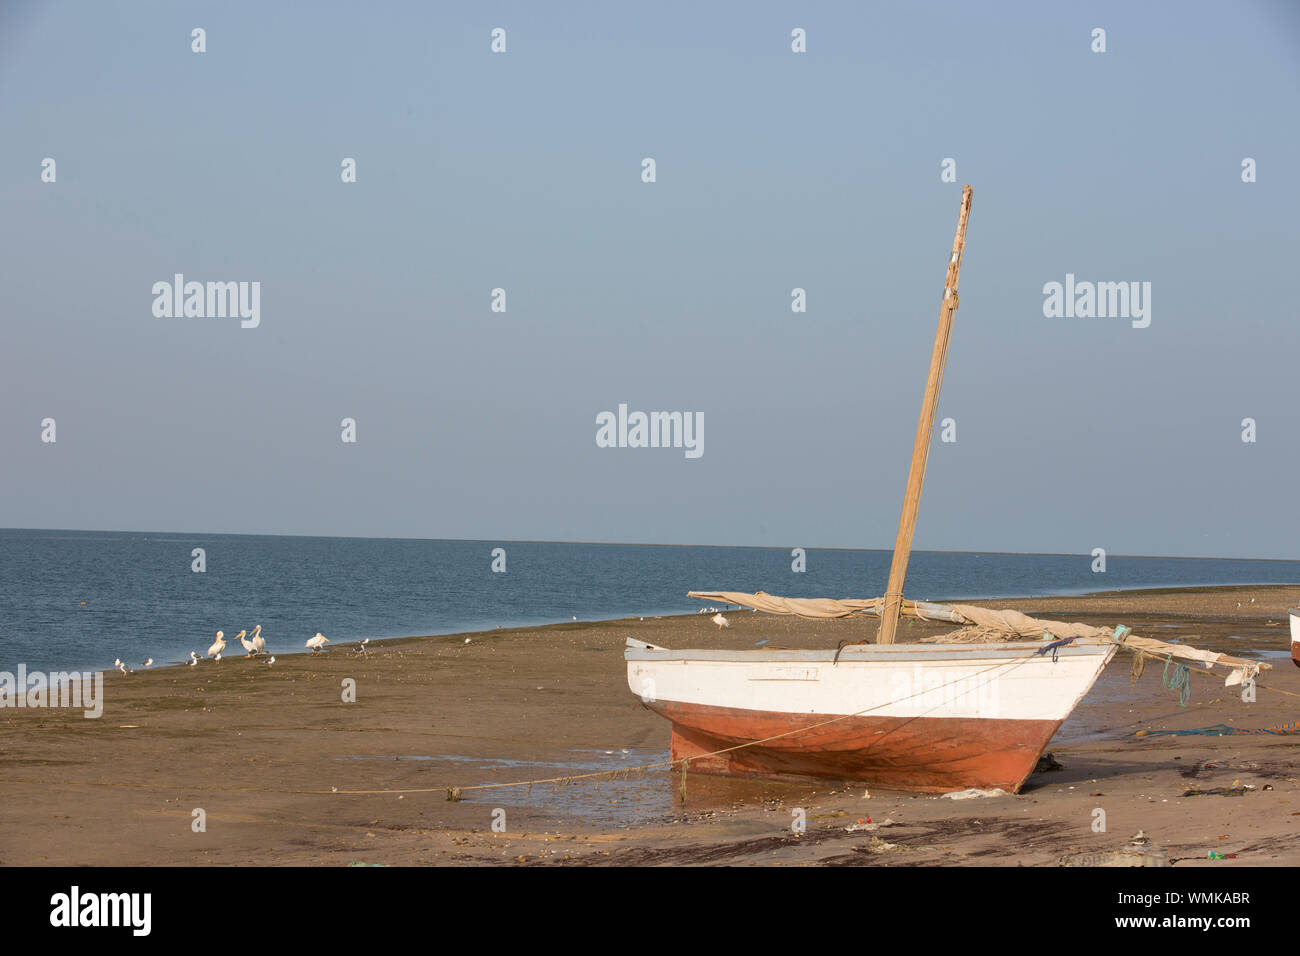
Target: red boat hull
point(923, 754)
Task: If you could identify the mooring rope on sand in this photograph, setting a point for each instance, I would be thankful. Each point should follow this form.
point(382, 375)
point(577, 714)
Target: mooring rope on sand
point(1223, 730)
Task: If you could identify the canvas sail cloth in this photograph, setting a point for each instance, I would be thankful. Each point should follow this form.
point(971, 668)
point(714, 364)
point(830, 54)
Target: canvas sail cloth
point(987, 625)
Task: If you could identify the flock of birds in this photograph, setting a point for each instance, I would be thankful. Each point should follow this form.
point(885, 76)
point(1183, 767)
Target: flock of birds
point(254, 646)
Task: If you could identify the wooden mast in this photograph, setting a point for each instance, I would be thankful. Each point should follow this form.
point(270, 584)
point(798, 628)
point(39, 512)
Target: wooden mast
point(921, 449)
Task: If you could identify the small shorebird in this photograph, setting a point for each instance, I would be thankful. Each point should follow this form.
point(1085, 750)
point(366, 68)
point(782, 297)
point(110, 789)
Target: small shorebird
point(317, 642)
point(249, 649)
point(148, 663)
point(361, 648)
point(194, 659)
point(271, 661)
point(217, 647)
point(719, 620)
point(259, 642)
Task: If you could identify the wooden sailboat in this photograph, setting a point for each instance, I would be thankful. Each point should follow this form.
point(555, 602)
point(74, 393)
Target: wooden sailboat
point(922, 717)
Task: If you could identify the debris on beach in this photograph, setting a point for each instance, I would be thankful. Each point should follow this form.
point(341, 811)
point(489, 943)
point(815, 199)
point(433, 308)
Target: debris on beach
point(971, 792)
point(1131, 856)
point(1233, 791)
point(868, 825)
point(878, 845)
point(1047, 763)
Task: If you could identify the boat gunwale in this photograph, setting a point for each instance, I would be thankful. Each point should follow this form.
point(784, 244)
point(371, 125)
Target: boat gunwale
point(871, 653)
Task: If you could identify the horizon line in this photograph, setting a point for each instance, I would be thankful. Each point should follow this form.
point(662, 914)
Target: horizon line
point(642, 544)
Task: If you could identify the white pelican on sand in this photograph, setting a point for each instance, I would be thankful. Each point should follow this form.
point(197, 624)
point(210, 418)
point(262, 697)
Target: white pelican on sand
point(719, 620)
point(217, 647)
point(317, 642)
point(259, 642)
point(248, 645)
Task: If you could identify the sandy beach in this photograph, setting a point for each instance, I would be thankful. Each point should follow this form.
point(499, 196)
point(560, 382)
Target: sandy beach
point(265, 751)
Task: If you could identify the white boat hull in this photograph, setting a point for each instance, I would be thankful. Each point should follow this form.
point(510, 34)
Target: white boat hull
point(927, 717)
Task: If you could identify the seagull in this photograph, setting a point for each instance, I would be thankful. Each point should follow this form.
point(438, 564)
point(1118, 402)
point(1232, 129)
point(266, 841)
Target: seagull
point(317, 642)
point(467, 640)
point(259, 642)
point(148, 663)
point(575, 617)
point(194, 659)
point(362, 646)
point(248, 645)
point(218, 646)
point(719, 620)
point(271, 661)
point(122, 667)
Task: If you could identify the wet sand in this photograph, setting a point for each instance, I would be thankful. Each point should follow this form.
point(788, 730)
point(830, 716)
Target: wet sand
point(240, 740)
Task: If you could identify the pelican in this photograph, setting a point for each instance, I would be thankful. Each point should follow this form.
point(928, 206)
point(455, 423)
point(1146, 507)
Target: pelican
point(218, 646)
point(719, 620)
point(248, 645)
point(259, 642)
point(317, 642)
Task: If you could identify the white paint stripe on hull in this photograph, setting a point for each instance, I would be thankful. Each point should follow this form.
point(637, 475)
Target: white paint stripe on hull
point(1020, 688)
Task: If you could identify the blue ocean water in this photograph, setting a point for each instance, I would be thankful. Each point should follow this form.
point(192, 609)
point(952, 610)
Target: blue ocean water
point(78, 599)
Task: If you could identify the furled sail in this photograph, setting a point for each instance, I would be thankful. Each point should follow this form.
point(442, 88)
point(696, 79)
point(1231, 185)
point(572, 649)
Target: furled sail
point(986, 624)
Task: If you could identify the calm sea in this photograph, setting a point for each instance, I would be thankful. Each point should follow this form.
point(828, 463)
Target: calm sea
point(77, 599)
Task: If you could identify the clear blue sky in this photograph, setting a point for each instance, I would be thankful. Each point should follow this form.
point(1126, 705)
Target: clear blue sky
point(775, 171)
